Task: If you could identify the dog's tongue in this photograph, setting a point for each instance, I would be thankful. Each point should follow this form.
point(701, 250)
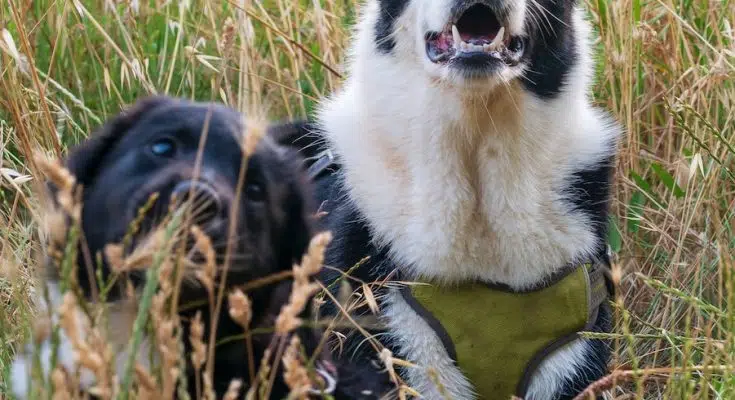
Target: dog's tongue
point(482, 39)
point(443, 42)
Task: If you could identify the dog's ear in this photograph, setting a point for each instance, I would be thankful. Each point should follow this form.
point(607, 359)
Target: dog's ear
point(301, 135)
point(84, 159)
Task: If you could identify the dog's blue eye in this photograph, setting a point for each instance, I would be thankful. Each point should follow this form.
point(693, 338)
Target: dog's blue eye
point(163, 148)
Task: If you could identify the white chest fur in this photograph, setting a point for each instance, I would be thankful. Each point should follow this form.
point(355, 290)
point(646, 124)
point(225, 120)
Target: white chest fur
point(467, 188)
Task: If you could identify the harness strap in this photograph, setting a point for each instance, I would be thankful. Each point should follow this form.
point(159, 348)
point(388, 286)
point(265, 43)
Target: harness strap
point(601, 288)
point(322, 162)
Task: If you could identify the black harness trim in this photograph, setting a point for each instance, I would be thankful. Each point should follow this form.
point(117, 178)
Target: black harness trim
point(324, 161)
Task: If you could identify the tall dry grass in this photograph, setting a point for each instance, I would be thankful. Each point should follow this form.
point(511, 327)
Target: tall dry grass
point(665, 71)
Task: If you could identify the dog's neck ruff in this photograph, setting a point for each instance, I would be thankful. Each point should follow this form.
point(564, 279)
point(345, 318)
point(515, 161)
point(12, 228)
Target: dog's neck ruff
point(499, 337)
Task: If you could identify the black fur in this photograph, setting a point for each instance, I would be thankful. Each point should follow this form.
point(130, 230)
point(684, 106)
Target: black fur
point(351, 244)
point(500, 8)
point(119, 173)
point(589, 193)
point(384, 28)
point(551, 51)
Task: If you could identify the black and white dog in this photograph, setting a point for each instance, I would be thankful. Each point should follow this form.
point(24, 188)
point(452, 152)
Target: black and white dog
point(467, 149)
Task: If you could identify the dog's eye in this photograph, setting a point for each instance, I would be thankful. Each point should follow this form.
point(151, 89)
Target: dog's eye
point(254, 192)
point(163, 147)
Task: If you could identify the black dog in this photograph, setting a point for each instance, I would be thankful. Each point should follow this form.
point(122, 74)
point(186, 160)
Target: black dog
point(156, 147)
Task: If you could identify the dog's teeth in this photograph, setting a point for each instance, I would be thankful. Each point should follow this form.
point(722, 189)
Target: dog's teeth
point(463, 46)
point(455, 35)
point(498, 38)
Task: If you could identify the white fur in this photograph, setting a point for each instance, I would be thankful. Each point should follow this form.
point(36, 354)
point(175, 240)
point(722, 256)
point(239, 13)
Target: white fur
point(554, 370)
point(463, 179)
point(120, 327)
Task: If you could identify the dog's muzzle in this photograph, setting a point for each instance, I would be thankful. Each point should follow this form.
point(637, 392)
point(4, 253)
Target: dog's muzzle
point(206, 203)
point(476, 36)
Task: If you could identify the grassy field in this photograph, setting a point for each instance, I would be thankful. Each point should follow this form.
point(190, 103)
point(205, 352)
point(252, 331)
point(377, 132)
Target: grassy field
point(665, 70)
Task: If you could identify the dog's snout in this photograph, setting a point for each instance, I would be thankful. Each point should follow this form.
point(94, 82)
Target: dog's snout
point(205, 202)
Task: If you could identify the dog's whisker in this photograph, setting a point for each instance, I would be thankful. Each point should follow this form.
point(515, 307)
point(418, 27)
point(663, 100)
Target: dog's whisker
point(536, 9)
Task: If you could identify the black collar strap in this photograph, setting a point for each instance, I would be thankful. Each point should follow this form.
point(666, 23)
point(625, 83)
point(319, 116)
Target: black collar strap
point(324, 161)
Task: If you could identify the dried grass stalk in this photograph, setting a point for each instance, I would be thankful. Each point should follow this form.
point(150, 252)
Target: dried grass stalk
point(196, 337)
point(203, 243)
point(295, 373)
point(90, 348)
point(302, 290)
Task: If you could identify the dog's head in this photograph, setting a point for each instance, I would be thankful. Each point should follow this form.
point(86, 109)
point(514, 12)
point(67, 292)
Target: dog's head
point(186, 151)
point(475, 43)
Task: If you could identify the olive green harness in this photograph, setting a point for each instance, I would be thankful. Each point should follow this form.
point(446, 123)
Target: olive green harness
point(499, 337)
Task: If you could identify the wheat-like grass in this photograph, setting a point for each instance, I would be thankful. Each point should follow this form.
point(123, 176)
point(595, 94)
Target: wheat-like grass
point(664, 68)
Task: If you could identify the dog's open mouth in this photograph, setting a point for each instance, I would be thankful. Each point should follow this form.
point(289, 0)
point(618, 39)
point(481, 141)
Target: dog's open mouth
point(476, 35)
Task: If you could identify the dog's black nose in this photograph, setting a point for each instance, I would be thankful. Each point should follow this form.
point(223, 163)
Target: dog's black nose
point(203, 199)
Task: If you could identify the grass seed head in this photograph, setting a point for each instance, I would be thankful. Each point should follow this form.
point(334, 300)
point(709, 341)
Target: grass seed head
point(240, 308)
point(295, 373)
point(166, 326)
point(302, 290)
point(207, 274)
point(62, 391)
point(196, 335)
point(147, 385)
point(228, 36)
point(233, 391)
point(255, 130)
point(65, 183)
